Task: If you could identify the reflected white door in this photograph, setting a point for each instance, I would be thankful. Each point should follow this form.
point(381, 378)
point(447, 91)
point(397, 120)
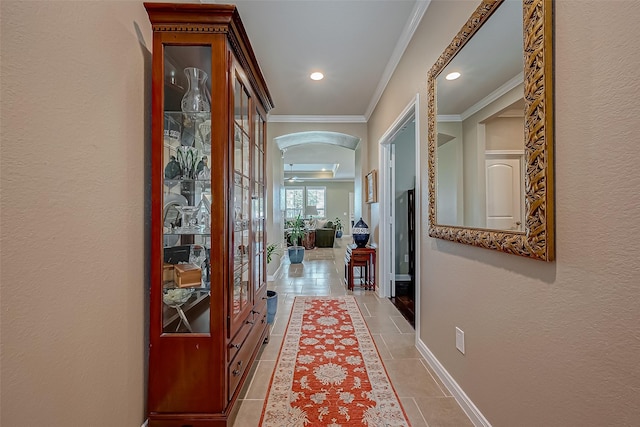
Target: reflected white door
point(504, 194)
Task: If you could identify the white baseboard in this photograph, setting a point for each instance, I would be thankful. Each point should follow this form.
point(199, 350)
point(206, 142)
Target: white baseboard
point(145, 423)
point(465, 403)
point(271, 278)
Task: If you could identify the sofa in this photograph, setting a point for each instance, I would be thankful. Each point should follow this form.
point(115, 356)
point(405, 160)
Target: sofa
point(325, 235)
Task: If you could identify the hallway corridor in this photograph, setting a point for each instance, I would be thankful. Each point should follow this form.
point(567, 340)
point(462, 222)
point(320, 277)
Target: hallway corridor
point(426, 401)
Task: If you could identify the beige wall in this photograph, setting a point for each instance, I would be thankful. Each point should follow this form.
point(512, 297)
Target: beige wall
point(547, 344)
point(74, 182)
point(275, 222)
point(553, 344)
point(505, 133)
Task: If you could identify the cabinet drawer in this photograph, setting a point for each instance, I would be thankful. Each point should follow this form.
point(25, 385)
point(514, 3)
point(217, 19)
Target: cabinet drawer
point(236, 342)
point(244, 354)
point(237, 367)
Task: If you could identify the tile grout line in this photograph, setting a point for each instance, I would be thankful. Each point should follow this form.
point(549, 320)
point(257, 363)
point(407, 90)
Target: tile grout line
point(437, 381)
point(420, 411)
point(387, 347)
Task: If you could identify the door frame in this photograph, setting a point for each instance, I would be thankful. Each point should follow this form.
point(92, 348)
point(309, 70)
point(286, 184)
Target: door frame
point(410, 112)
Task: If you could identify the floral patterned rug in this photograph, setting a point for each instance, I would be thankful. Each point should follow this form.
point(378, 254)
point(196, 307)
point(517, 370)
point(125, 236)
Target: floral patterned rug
point(329, 372)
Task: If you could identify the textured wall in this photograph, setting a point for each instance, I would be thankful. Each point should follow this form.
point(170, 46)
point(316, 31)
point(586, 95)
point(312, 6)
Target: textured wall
point(547, 344)
point(275, 222)
point(74, 124)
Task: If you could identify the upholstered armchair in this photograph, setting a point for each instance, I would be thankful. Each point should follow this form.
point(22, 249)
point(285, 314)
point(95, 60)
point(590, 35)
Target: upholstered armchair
point(325, 236)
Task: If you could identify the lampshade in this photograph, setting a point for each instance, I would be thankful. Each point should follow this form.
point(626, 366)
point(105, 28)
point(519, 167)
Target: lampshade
point(311, 210)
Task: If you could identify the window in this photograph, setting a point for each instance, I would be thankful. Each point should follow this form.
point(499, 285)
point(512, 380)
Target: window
point(297, 198)
point(294, 202)
point(316, 197)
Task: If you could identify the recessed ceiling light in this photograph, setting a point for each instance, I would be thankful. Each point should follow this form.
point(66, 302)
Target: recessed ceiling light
point(316, 76)
point(452, 76)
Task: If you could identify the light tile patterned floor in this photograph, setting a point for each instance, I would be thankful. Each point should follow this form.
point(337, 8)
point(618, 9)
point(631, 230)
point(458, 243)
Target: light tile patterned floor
point(426, 401)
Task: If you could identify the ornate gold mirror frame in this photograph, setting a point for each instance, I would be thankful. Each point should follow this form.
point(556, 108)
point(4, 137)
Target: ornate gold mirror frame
point(537, 240)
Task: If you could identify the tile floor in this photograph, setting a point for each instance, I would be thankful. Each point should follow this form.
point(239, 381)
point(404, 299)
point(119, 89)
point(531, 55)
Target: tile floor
point(425, 399)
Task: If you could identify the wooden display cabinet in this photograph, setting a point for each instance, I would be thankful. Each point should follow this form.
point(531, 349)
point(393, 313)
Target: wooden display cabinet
point(208, 261)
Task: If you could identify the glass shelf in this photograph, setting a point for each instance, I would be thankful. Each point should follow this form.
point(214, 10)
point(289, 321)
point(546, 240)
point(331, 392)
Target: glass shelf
point(173, 182)
point(177, 232)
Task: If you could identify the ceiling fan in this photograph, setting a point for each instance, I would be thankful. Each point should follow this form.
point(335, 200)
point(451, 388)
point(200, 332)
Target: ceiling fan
point(293, 178)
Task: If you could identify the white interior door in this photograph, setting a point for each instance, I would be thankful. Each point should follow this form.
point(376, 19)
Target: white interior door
point(504, 193)
point(351, 213)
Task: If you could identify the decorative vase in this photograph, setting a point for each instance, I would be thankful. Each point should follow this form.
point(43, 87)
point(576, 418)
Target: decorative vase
point(187, 159)
point(272, 306)
point(194, 102)
point(360, 233)
point(296, 254)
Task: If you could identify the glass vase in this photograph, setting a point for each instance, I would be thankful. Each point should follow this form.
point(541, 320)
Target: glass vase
point(195, 105)
point(196, 99)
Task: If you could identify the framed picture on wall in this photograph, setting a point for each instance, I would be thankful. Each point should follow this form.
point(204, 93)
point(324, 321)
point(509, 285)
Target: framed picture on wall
point(372, 187)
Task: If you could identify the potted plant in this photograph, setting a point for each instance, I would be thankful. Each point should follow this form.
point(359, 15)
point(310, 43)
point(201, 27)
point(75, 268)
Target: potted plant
point(338, 225)
point(296, 233)
point(272, 249)
point(272, 296)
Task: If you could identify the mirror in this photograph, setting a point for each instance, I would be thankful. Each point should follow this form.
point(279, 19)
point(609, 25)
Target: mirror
point(491, 130)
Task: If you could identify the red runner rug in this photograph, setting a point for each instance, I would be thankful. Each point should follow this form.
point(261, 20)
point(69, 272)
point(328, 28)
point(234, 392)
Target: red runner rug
point(329, 372)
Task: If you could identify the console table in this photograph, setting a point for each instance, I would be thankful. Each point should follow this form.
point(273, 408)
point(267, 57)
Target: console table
point(365, 260)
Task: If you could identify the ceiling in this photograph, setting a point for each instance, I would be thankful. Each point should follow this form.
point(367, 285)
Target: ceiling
point(356, 44)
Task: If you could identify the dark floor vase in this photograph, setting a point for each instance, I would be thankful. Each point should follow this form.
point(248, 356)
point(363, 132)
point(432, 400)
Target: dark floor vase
point(296, 254)
point(360, 234)
point(272, 306)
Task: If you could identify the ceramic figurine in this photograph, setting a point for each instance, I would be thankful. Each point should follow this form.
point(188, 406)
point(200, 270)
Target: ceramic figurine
point(202, 166)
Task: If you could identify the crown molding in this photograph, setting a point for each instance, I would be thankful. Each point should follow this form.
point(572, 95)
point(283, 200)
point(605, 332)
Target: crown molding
point(407, 34)
point(496, 94)
point(315, 119)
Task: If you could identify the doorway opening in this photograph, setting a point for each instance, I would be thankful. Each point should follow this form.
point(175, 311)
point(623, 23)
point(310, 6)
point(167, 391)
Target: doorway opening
point(399, 251)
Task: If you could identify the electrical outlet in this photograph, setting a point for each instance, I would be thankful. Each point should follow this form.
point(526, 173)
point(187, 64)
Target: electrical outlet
point(460, 340)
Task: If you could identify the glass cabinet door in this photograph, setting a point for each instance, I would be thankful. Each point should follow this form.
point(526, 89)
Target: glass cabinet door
point(241, 196)
point(258, 208)
point(187, 189)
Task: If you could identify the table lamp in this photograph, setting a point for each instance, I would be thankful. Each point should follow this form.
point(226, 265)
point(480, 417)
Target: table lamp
point(311, 211)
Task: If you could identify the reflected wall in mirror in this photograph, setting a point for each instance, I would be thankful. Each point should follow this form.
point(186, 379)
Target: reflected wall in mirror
point(490, 120)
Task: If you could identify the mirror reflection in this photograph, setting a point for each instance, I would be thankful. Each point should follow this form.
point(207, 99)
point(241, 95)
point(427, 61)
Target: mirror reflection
point(480, 136)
